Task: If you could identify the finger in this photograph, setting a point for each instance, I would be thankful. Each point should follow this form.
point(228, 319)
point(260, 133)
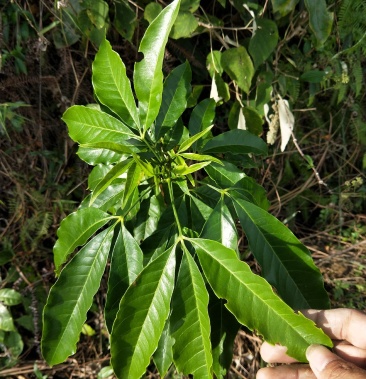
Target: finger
point(351, 353)
point(275, 354)
point(296, 371)
point(327, 365)
point(341, 324)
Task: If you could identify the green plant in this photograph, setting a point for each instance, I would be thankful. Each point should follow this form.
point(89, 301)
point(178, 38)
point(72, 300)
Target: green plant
point(167, 194)
point(11, 343)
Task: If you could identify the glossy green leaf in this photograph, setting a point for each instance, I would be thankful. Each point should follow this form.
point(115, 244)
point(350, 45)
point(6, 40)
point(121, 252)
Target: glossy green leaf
point(88, 125)
point(237, 64)
point(75, 230)
point(283, 7)
point(185, 170)
point(163, 356)
point(184, 25)
point(140, 320)
point(232, 279)
point(199, 213)
point(191, 140)
point(148, 76)
point(95, 156)
point(177, 88)
point(115, 172)
point(147, 219)
point(112, 86)
point(201, 118)
point(115, 147)
point(97, 174)
point(134, 176)
point(190, 322)
point(253, 120)
point(236, 142)
point(10, 297)
point(248, 189)
point(6, 320)
point(221, 227)
point(126, 264)
point(285, 261)
point(320, 20)
point(201, 157)
point(71, 297)
point(226, 175)
point(264, 41)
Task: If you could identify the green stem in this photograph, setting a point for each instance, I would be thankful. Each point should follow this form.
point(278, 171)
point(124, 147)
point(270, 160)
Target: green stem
point(170, 187)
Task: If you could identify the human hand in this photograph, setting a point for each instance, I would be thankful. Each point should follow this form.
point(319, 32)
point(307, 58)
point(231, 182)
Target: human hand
point(347, 328)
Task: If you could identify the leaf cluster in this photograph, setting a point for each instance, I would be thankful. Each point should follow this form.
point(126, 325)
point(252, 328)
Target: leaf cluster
point(167, 192)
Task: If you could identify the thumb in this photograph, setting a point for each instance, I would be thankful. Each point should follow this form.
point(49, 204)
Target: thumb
point(326, 365)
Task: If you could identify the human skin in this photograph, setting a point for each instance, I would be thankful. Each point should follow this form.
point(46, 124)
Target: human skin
point(346, 327)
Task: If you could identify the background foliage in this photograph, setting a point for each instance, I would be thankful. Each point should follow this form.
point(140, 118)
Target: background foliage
point(316, 185)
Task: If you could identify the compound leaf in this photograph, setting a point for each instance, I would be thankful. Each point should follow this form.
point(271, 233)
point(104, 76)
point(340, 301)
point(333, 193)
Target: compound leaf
point(259, 307)
point(71, 297)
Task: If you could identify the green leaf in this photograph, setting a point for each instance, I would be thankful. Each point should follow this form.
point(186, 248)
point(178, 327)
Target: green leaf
point(253, 120)
point(185, 170)
point(75, 230)
point(95, 156)
point(236, 142)
point(115, 147)
point(201, 118)
point(248, 189)
point(148, 76)
point(189, 5)
point(263, 41)
point(226, 175)
point(6, 321)
point(283, 7)
point(221, 227)
point(71, 297)
point(140, 320)
point(97, 11)
point(111, 85)
point(97, 174)
point(201, 157)
point(237, 64)
point(213, 63)
point(10, 297)
point(151, 11)
point(320, 19)
point(124, 20)
point(224, 329)
point(177, 88)
point(88, 125)
point(163, 356)
point(252, 301)
point(126, 264)
point(184, 25)
point(285, 261)
point(114, 173)
point(191, 140)
point(190, 322)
